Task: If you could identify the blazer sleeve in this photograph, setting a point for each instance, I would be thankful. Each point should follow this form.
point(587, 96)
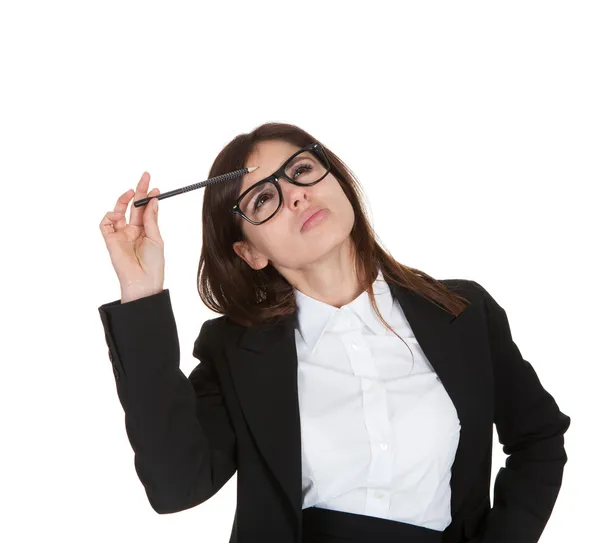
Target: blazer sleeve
point(178, 426)
point(531, 429)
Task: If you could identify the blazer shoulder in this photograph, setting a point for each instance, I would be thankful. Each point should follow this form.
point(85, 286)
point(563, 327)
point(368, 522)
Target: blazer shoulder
point(468, 288)
point(209, 327)
point(214, 323)
point(210, 333)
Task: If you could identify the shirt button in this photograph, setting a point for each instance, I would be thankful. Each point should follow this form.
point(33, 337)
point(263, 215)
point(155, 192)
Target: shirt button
point(379, 495)
point(355, 346)
point(384, 446)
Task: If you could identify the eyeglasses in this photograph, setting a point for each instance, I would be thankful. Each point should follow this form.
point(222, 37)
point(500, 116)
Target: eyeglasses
point(262, 201)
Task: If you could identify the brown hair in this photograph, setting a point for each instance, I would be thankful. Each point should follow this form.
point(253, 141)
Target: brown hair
point(249, 297)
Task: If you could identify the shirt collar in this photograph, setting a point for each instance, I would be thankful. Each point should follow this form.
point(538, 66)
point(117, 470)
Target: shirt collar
point(314, 315)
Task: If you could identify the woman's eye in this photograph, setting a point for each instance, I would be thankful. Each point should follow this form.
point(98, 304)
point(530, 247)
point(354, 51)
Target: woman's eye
point(256, 204)
point(307, 167)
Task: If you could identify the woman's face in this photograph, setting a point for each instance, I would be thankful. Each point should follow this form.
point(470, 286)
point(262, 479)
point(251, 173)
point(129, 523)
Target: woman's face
point(280, 239)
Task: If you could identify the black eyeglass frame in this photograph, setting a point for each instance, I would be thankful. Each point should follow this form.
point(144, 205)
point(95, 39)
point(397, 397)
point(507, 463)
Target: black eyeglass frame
point(315, 148)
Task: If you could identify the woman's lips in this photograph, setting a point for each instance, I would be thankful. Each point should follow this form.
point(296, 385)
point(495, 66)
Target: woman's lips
point(314, 219)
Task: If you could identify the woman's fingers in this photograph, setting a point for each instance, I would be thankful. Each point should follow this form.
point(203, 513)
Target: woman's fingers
point(109, 223)
point(141, 191)
point(121, 207)
point(115, 220)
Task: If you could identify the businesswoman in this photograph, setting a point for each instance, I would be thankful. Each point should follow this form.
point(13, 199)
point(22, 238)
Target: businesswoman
point(354, 396)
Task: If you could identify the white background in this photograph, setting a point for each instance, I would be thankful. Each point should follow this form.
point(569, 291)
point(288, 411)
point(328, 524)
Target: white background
point(472, 126)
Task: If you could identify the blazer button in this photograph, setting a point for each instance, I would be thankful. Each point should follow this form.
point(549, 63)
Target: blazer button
point(116, 372)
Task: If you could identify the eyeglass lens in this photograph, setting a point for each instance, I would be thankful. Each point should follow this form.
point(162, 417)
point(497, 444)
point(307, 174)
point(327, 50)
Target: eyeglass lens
point(261, 203)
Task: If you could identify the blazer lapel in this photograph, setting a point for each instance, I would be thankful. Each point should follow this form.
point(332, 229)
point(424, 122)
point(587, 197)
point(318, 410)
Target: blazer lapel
point(264, 368)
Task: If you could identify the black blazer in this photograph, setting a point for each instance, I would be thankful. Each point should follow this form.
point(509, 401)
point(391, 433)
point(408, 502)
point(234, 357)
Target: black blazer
point(238, 410)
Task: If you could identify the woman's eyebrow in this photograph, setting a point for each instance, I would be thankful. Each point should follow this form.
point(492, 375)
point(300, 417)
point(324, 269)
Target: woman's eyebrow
point(298, 157)
point(290, 163)
point(295, 159)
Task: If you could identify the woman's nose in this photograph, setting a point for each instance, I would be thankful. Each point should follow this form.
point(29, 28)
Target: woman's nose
point(292, 192)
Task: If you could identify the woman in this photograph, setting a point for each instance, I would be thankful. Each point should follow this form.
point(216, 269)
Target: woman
point(337, 430)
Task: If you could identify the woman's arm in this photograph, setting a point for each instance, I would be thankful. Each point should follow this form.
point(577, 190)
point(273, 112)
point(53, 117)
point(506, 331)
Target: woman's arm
point(178, 427)
point(530, 427)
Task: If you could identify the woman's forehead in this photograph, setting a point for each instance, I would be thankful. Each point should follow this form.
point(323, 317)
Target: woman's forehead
point(269, 157)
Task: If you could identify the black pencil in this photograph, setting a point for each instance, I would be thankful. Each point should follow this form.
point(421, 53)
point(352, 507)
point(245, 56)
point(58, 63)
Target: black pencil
point(210, 181)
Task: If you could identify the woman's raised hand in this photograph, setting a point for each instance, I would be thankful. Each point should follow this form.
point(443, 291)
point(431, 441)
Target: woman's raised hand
point(136, 248)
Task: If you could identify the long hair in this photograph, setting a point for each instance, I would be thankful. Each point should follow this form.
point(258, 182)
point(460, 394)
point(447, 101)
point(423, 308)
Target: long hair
point(249, 297)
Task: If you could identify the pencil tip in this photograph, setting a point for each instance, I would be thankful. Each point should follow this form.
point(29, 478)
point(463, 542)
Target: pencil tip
point(253, 168)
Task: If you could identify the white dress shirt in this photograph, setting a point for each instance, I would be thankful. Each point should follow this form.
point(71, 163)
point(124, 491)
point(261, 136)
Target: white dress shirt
point(379, 435)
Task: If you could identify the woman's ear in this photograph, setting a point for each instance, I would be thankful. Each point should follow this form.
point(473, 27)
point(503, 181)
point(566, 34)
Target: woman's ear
point(254, 259)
